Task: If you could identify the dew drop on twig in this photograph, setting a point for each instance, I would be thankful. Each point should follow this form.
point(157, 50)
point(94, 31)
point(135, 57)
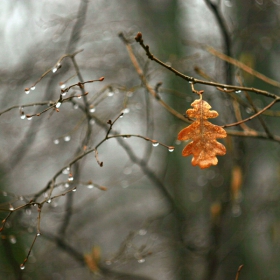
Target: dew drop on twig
point(38, 234)
point(29, 118)
point(141, 260)
point(54, 69)
point(92, 109)
point(49, 200)
point(67, 138)
point(90, 186)
point(58, 104)
point(56, 141)
point(22, 117)
point(75, 189)
point(70, 178)
point(110, 93)
point(155, 144)
point(171, 149)
point(32, 88)
point(66, 170)
point(126, 110)
point(22, 266)
point(62, 86)
point(27, 90)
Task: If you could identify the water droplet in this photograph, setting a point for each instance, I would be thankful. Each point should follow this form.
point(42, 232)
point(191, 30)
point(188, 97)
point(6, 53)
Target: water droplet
point(92, 109)
point(56, 141)
point(90, 186)
point(236, 210)
point(58, 104)
point(63, 93)
point(171, 149)
point(27, 90)
point(155, 143)
point(126, 110)
point(110, 93)
point(121, 116)
point(12, 239)
point(76, 106)
point(22, 266)
point(190, 82)
point(70, 178)
point(54, 69)
point(238, 91)
point(32, 88)
point(11, 208)
point(142, 232)
point(225, 88)
point(29, 118)
point(127, 170)
point(62, 86)
point(79, 97)
point(92, 122)
point(66, 185)
point(67, 138)
point(129, 93)
point(74, 190)
point(38, 234)
point(141, 260)
point(249, 110)
point(49, 200)
point(22, 117)
point(66, 170)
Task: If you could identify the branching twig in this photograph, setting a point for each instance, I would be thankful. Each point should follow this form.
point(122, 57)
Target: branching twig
point(193, 80)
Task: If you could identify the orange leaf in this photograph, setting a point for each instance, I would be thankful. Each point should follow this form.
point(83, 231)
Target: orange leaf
point(204, 146)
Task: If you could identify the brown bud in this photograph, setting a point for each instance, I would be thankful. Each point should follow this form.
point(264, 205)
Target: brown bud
point(138, 37)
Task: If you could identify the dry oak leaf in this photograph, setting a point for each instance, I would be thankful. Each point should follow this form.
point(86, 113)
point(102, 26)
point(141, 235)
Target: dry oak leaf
point(204, 146)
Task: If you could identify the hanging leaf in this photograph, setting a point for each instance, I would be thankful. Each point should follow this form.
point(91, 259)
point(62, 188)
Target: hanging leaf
point(204, 146)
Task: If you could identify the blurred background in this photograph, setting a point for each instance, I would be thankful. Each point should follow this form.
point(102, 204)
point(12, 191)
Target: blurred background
point(159, 217)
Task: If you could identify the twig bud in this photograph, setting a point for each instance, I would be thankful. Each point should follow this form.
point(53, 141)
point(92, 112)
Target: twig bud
point(138, 37)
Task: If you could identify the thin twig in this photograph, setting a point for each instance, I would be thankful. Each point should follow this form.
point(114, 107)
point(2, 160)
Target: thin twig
point(190, 79)
point(238, 271)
